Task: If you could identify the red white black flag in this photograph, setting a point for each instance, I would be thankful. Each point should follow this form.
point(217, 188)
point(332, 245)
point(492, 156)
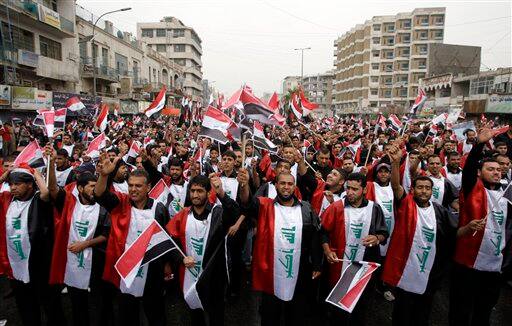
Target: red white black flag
point(31, 155)
point(59, 120)
point(74, 104)
point(158, 104)
point(218, 126)
point(307, 106)
point(259, 139)
point(102, 120)
point(49, 118)
point(96, 145)
point(152, 243)
point(351, 284)
point(133, 152)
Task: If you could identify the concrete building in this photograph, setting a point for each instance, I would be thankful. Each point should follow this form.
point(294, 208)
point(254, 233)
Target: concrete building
point(318, 89)
point(38, 48)
point(483, 92)
point(173, 39)
point(380, 62)
point(289, 82)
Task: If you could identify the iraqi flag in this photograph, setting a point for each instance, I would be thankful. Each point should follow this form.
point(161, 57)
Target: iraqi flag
point(396, 124)
point(102, 120)
point(160, 192)
point(501, 130)
point(95, 146)
point(133, 152)
point(273, 102)
point(307, 106)
point(158, 104)
point(419, 101)
point(260, 141)
point(58, 122)
point(295, 107)
point(218, 126)
point(152, 243)
point(351, 284)
point(31, 155)
point(253, 108)
point(48, 119)
point(74, 104)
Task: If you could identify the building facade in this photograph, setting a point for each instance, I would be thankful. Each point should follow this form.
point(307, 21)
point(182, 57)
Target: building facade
point(180, 43)
point(318, 89)
point(483, 92)
point(379, 63)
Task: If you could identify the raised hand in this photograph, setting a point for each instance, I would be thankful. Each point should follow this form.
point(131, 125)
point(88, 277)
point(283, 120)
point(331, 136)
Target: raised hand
point(484, 135)
point(105, 166)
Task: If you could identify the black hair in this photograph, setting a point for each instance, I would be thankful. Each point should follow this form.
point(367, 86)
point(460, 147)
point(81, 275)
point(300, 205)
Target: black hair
point(229, 153)
point(113, 150)
point(422, 178)
point(486, 160)
point(214, 149)
point(359, 177)
point(465, 133)
point(84, 178)
point(453, 153)
point(434, 156)
point(499, 143)
point(201, 181)
point(414, 140)
point(140, 173)
point(324, 150)
point(175, 162)
point(62, 152)
point(283, 173)
point(280, 161)
point(343, 173)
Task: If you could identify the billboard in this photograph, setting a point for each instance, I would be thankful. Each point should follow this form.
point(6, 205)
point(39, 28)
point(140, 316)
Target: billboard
point(499, 104)
point(30, 98)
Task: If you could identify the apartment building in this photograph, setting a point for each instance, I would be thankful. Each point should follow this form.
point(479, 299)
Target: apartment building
point(180, 43)
point(318, 89)
point(379, 63)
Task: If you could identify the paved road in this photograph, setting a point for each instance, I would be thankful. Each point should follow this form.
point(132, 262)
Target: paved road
point(243, 311)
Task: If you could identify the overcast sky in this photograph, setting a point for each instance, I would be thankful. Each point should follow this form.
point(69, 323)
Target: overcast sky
point(253, 41)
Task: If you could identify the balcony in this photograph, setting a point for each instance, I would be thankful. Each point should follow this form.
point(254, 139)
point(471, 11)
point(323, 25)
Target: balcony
point(20, 58)
point(102, 71)
point(47, 20)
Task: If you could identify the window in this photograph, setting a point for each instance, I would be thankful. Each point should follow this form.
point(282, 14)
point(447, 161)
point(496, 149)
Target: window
point(178, 33)
point(404, 66)
point(50, 48)
point(160, 32)
point(121, 64)
point(376, 40)
point(423, 35)
point(376, 54)
point(422, 49)
point(424, 21)
point(390, 41)
point(21, 39)
point(52, 4)
point(82, 49)
point(374, 91)
point(375, 66)
point(161, 47)
point(147, 32)
point(482, 85)
point(390, 28)
point(388, 81)
point(438, 35)
point(406, 24)
point(389, 55)
point(387, 93)
point(406, 52)
point(135, 71)
point(376, 27)
point(406, 38)
point(388, 67)
point(422, 64)
point(439, 20)
point(403, 92)
point(104, 56)
point(375, 79)
point(179, 47)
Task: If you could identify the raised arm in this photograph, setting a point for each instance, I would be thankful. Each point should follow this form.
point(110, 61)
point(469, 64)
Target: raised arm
point(395, 155)
point(470, 170)
point(104, 168)
point(41, 184)
point(53, 188)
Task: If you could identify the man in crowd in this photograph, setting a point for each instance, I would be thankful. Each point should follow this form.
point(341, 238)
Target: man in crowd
point(443, 191)
point(64, 172)
point(453, 170)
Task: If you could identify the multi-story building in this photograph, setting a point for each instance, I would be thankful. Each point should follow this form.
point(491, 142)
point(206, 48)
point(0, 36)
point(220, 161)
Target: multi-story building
point(380, 62)
point(173, 39)
point(38, 48)
point(290, 82)
point(318, 89)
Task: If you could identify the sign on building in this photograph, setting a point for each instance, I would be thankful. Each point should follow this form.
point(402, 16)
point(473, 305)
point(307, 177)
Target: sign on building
point(48, 16)
point(30, 98)
point(5, 95)
point(60, 99)
point(497, 103)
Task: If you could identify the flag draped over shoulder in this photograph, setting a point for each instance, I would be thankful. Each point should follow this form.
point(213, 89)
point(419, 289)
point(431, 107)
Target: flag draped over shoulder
point(152, 243)
point(351, 284)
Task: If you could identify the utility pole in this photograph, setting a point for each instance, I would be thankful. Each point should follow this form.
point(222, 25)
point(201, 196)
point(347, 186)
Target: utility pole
point(302, 61)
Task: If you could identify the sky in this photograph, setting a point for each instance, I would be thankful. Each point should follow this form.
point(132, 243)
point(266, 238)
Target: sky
point(253, 42)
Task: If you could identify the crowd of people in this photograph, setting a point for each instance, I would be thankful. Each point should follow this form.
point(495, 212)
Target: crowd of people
point(426, 206)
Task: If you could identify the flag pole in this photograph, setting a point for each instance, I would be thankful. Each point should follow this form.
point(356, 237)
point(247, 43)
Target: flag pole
point(368, 154)
point(244, 141)
point(48, 164)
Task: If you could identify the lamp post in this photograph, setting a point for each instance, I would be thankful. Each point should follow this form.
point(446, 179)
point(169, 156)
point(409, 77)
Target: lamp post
point(302, 61)
point(94, 56)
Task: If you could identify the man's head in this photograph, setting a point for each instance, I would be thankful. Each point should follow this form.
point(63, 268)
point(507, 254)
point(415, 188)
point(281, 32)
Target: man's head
point(470, 136)
point(422, 189)
point(295, 141)
point(22, 184)
point(490, 171)
point(335, 179)
point(198, 189)
point(289, 153)
point(85, 183)
point(121, 171)
point(501, 147)
point(214, 155)
point(383, 173)
point(239, 158)
point(414, 142)
point(348, 164)
point(355, 188)
point(112, 153)
point(138, 162)
point(228, 161)
point(62, 159)
point(138, 185)
point(67, 139)
point(450, 146)
point(429, 149)
point(175, 169)
point(282, 166)
point(323, 156)
point(434, 164)
point(249, 149)
point(285, 186)
point(504, 162)
point(453, 161)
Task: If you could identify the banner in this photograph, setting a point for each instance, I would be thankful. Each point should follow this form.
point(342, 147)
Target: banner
point(30, 98)
point(499, 104)
point(60, 99)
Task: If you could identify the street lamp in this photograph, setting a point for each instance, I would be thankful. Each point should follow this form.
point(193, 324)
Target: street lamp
point(302, 61)
point(91, 38)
